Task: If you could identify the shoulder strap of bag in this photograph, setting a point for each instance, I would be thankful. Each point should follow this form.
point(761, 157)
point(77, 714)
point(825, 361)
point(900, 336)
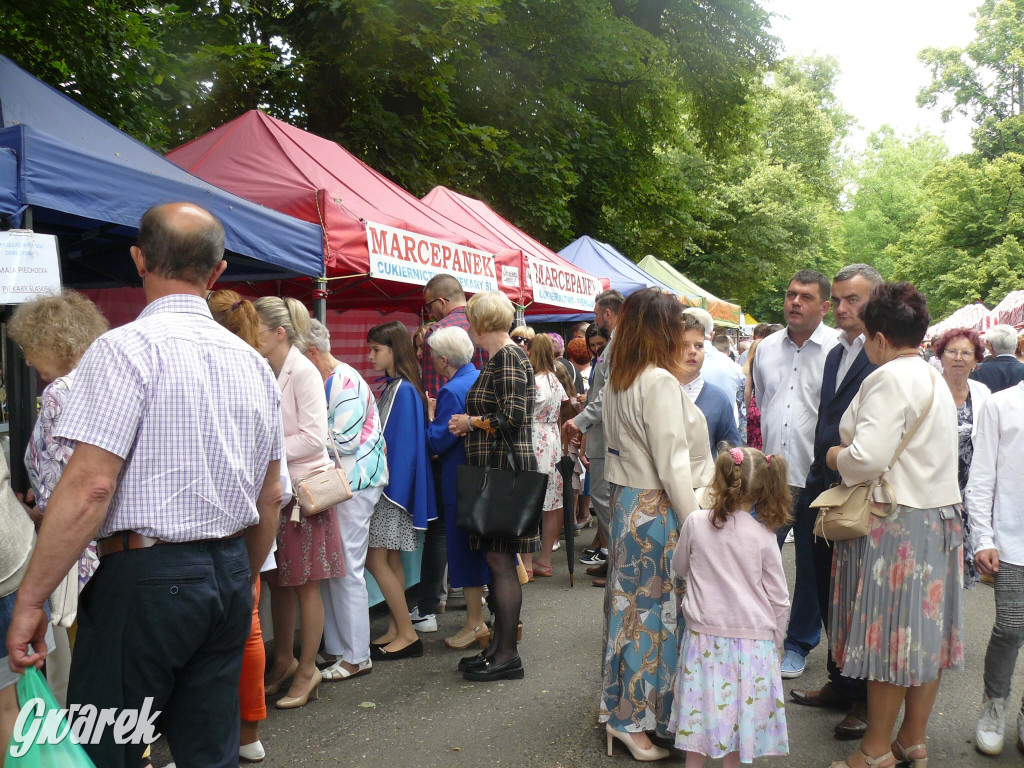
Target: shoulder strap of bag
point(330, 435)
point(913, 430)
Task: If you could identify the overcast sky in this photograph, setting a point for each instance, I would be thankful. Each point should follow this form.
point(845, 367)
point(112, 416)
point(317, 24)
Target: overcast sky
point(876, 43)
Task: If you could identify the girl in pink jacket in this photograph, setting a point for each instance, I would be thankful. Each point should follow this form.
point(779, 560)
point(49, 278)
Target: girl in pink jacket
point(728, 700)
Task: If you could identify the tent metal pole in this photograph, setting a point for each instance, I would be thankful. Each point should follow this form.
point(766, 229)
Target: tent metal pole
point(320, 300)
point(21, 397)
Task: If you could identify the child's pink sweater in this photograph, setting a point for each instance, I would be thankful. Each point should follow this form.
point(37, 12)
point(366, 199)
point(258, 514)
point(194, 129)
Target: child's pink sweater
point(735, 585)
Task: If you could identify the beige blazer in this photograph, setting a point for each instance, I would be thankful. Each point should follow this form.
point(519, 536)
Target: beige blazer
point(304, 414)
point(657, 439)
point(882, 412)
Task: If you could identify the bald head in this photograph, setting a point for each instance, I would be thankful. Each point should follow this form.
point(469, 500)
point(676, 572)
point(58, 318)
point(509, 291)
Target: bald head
point(181, 241)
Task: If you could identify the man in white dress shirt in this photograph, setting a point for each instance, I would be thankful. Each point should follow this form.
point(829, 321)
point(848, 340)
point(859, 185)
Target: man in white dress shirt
point(993, 498)
point(787, 382)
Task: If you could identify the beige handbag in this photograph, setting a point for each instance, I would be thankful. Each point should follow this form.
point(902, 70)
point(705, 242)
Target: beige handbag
point(845, 510)
point(64, 600)
point(323, 488)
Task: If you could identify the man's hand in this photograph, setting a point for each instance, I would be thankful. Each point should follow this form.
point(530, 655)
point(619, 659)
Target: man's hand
point(570, 428)
point(27, 633)
point(987, 561)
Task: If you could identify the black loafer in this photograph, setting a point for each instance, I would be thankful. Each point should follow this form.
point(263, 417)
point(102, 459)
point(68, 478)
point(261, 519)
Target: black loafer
point(411, 651)
point(472, 662)
point(510, 670)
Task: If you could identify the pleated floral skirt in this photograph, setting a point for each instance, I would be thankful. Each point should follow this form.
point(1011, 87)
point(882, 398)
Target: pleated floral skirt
point(643, 600)
point(897, 598)
point(729, 698)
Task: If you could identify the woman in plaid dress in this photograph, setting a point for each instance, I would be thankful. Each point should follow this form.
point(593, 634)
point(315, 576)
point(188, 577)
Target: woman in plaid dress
point(502, 397)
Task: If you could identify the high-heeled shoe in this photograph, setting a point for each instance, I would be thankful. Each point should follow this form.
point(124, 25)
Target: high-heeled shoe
point(275, 687)
point(882, 761)
point(900, 753)
point(294, 702)
point(460, 641)
point(654, 752)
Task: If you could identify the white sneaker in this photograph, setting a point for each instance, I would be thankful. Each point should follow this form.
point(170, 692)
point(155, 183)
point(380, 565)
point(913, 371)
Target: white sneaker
point(789, 536)
point(426, 623)
point(988, 736)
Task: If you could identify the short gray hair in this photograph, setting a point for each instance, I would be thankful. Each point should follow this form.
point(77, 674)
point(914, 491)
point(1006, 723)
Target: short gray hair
point(453, 343)
point(318, 336)
point(866, 271)
point(1003, 339)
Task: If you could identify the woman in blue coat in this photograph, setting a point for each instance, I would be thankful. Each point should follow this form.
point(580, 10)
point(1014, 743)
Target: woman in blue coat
point(451, 352)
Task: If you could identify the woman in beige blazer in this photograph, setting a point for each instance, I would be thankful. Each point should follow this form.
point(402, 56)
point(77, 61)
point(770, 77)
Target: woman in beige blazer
point(896, 615)
point(308, 548)
point(655, 440)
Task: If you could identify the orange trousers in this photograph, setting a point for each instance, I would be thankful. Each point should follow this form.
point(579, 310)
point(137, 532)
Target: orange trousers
point(254, 662)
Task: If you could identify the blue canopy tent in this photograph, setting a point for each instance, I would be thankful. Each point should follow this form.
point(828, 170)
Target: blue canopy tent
point(599, 258)
point(89, 183)
point(66, 172)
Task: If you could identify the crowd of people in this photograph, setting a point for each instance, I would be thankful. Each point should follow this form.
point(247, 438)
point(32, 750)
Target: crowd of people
point(170, 457)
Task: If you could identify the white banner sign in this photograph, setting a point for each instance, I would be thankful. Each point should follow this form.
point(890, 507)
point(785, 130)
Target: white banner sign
point(29, 266)
point(406, 257)
point(563, 287)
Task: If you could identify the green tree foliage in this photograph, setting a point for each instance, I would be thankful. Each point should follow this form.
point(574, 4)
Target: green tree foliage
point(984, 80)
point(888, 198)
point(967, 245)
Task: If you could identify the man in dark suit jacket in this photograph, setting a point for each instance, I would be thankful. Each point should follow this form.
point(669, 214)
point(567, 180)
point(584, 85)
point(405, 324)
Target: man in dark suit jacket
point(1003, 370)
point(846, 366)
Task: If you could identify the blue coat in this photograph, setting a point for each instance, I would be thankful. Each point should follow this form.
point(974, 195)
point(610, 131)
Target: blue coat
point(411, 482)
point(716, 406)
point(451, 400)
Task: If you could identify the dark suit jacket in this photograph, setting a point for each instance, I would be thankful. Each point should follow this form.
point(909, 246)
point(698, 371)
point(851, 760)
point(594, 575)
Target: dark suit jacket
point(1000, 372)
point(834, 403)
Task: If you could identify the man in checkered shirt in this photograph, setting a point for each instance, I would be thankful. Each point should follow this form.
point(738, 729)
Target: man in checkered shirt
point(178, 437)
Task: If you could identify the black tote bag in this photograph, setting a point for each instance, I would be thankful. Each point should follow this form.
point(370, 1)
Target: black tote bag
point(499, 503)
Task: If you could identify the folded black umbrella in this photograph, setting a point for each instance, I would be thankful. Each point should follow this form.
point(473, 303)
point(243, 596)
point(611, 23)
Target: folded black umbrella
point(566, 468)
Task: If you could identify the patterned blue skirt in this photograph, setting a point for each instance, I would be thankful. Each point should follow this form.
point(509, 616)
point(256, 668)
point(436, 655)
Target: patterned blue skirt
point(645, 623)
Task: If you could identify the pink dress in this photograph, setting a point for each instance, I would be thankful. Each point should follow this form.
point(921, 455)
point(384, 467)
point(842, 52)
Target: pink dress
point(547, 438)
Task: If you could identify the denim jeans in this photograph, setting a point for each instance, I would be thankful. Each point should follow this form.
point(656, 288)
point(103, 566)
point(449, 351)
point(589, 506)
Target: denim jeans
point(804, 629)
point(1008, 632)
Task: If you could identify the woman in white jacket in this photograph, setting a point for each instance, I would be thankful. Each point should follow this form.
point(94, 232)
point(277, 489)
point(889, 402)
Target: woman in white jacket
point(658, 452)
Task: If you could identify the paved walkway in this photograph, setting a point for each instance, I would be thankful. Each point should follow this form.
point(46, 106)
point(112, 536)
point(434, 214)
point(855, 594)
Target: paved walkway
point(420, 713)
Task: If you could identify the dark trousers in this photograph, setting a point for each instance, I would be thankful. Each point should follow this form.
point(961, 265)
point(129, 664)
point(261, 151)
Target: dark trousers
point(435, 558)
point(435, 555)
point(855, 689)
point(804, 629)
point(168, 622)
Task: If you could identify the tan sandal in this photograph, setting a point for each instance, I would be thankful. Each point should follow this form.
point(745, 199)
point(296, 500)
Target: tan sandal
point(871, 762)
point(900, 753)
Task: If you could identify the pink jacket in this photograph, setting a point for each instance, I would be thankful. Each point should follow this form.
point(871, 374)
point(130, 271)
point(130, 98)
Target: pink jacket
point(735, 583)
point(304, 413)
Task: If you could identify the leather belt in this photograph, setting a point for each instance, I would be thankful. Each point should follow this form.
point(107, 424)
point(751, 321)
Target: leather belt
point(128, 540)
point(124, 540)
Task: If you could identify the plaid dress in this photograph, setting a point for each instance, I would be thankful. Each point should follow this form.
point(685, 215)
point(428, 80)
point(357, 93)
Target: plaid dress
point(505, 386)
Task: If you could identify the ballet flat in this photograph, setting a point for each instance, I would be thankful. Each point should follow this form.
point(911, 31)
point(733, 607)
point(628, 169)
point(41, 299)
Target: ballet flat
point(654, 752)
point(294, 702)
point(275, 687)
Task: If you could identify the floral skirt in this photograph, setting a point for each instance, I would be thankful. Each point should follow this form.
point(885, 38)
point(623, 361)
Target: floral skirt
point(729, 698)
point(897, 598)
point(308, 550)
point(644, 621)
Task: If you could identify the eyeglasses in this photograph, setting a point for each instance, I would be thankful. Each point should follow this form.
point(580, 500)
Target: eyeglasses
point(958, 354)
point(520, 339)
point(439, 298)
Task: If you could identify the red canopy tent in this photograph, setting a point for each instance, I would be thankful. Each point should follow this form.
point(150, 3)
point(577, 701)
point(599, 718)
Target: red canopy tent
point(381, 243)
point(552, 283)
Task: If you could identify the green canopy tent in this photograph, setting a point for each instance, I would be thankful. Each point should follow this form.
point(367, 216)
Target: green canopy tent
point(724, 313)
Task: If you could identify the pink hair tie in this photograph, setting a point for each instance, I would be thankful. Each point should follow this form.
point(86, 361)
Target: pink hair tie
point(737, 456)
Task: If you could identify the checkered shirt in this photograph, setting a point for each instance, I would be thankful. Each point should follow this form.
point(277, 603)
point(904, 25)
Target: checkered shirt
point(193, 410)
point(432, 381)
